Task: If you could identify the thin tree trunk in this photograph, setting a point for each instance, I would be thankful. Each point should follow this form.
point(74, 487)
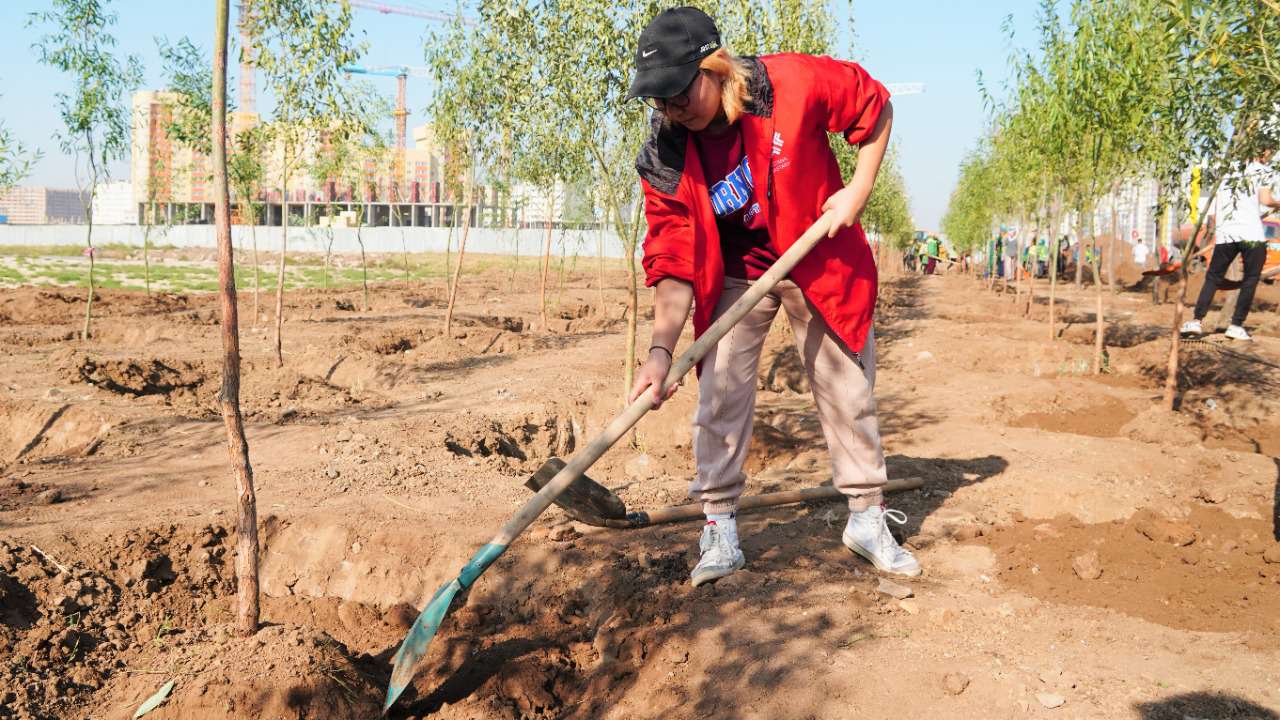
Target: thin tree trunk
point(453, 286)
point(146, 247)
point(515, 264)
point(1100, 327)
point(284, 241)
point(1171, 376)
point(1099, 340)
point(1157, 242)
point(600, 266)
point(257, 267)
point(87, 331)
point(88, 307)
point(546, 262)
point(1020, 271)
point(564, 252)
point(1083, 224)
point(229, 396)
point(633, 299)
point(364, 263)
point(1055, 220)
point(448, 244)
point(1111, 243)
point(1033, 261)
point(404, 251)
point(328, 254)
point(1004, 274)
point(1171, 368)
point(1031, 284)
point(633, 310)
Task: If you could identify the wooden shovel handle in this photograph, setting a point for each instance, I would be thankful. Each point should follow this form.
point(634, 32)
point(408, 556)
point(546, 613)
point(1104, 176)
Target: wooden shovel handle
point(616, 429)
point(786, 497)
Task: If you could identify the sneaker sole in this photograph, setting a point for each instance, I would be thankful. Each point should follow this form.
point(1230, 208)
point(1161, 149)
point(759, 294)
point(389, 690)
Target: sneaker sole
point(858, 550)
point(713, 575)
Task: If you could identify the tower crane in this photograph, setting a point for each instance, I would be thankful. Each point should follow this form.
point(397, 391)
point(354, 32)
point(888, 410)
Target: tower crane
point(386, 9)
point(401, 73)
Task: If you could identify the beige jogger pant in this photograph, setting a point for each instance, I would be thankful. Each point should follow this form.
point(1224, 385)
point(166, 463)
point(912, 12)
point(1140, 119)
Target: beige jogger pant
point(842, 382)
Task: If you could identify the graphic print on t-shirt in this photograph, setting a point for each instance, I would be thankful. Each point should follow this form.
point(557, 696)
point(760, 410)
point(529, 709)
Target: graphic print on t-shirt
point(732, 193)
point(740, 220)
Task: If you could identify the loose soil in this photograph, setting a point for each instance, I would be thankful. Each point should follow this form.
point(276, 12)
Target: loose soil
point(1076, 539)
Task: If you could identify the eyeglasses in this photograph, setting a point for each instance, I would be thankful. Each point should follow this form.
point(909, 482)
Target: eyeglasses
point(679, 101)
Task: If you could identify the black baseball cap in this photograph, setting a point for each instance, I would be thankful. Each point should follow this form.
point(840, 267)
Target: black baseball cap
point(670, 48)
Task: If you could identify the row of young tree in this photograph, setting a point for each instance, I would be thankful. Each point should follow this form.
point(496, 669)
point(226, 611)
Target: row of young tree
point(519, 100)
point(533, 92)
point(300, 47)
point(323, 125)
point(1116, 91)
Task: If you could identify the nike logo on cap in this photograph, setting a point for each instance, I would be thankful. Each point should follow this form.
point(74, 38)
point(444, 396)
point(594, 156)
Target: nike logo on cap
point(648, 53)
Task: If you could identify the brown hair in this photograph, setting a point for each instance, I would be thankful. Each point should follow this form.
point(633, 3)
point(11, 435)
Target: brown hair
point(732, 73)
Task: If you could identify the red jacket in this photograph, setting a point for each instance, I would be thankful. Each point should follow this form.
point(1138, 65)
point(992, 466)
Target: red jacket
point(796, 101)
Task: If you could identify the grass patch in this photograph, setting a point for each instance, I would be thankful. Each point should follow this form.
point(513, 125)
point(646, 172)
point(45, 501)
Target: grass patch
point(65, 266)
point(105, 250)
point(10, 276)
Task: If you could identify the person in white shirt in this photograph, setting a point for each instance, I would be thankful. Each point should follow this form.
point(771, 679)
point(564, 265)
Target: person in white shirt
point(1237, 217)
point(1140, 254)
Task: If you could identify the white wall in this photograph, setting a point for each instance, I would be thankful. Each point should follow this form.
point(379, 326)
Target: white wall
point(113, 204)
point(314, 239)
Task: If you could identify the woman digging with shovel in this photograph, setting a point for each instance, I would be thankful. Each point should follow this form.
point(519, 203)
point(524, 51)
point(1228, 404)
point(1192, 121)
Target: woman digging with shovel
point(736, 168)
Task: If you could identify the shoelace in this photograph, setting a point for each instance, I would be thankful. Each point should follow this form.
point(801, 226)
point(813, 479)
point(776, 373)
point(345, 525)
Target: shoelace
point(886, 537)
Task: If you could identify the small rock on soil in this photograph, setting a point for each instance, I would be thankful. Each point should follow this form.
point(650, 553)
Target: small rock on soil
point(1087, 566)
point(955, 683)
point(894, 590)
point(1169, 531)
point(1051, 701)
point(1213, 494)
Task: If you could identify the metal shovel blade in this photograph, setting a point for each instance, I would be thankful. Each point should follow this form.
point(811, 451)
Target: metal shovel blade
point(424, 628)
point(585, 499)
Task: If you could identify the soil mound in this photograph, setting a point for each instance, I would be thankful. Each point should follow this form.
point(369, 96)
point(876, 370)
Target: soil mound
point(282, 672)
point(31, 430)
point(1105, 419)
point(1209, 571)
point(523, 439)
point(392, 341)
point(287, 395)
point(171, 378)
point(34, 306)
point(68, 626)
point(44, 307)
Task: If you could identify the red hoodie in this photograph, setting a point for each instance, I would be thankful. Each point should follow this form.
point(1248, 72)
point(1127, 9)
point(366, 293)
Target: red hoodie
point(795, 101)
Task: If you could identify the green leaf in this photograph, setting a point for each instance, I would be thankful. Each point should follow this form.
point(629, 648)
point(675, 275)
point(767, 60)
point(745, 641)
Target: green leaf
point(154, 701)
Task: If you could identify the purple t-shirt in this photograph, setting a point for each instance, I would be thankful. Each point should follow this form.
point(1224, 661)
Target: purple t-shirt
point(744, 238)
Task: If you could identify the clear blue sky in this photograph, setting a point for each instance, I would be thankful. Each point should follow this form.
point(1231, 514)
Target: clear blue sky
point(936, 42)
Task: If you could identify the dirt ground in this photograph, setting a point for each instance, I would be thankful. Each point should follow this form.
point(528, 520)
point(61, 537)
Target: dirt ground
point(1086, 555)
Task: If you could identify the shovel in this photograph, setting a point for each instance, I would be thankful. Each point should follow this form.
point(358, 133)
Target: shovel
point(428, 622)
point(589, 502)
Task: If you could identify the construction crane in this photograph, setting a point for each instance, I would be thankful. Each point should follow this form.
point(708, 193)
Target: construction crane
point(248, 89)
point(401, 73)
point(248, 93)
point(386, 9)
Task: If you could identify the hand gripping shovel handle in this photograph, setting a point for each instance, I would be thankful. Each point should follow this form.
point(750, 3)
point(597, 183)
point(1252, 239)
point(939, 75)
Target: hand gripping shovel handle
point(424, 629)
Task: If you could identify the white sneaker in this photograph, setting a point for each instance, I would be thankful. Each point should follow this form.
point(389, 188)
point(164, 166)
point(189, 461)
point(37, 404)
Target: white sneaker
point(1191, 327)
point(720, 554)
point(867, 534)
point(1235, 332)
